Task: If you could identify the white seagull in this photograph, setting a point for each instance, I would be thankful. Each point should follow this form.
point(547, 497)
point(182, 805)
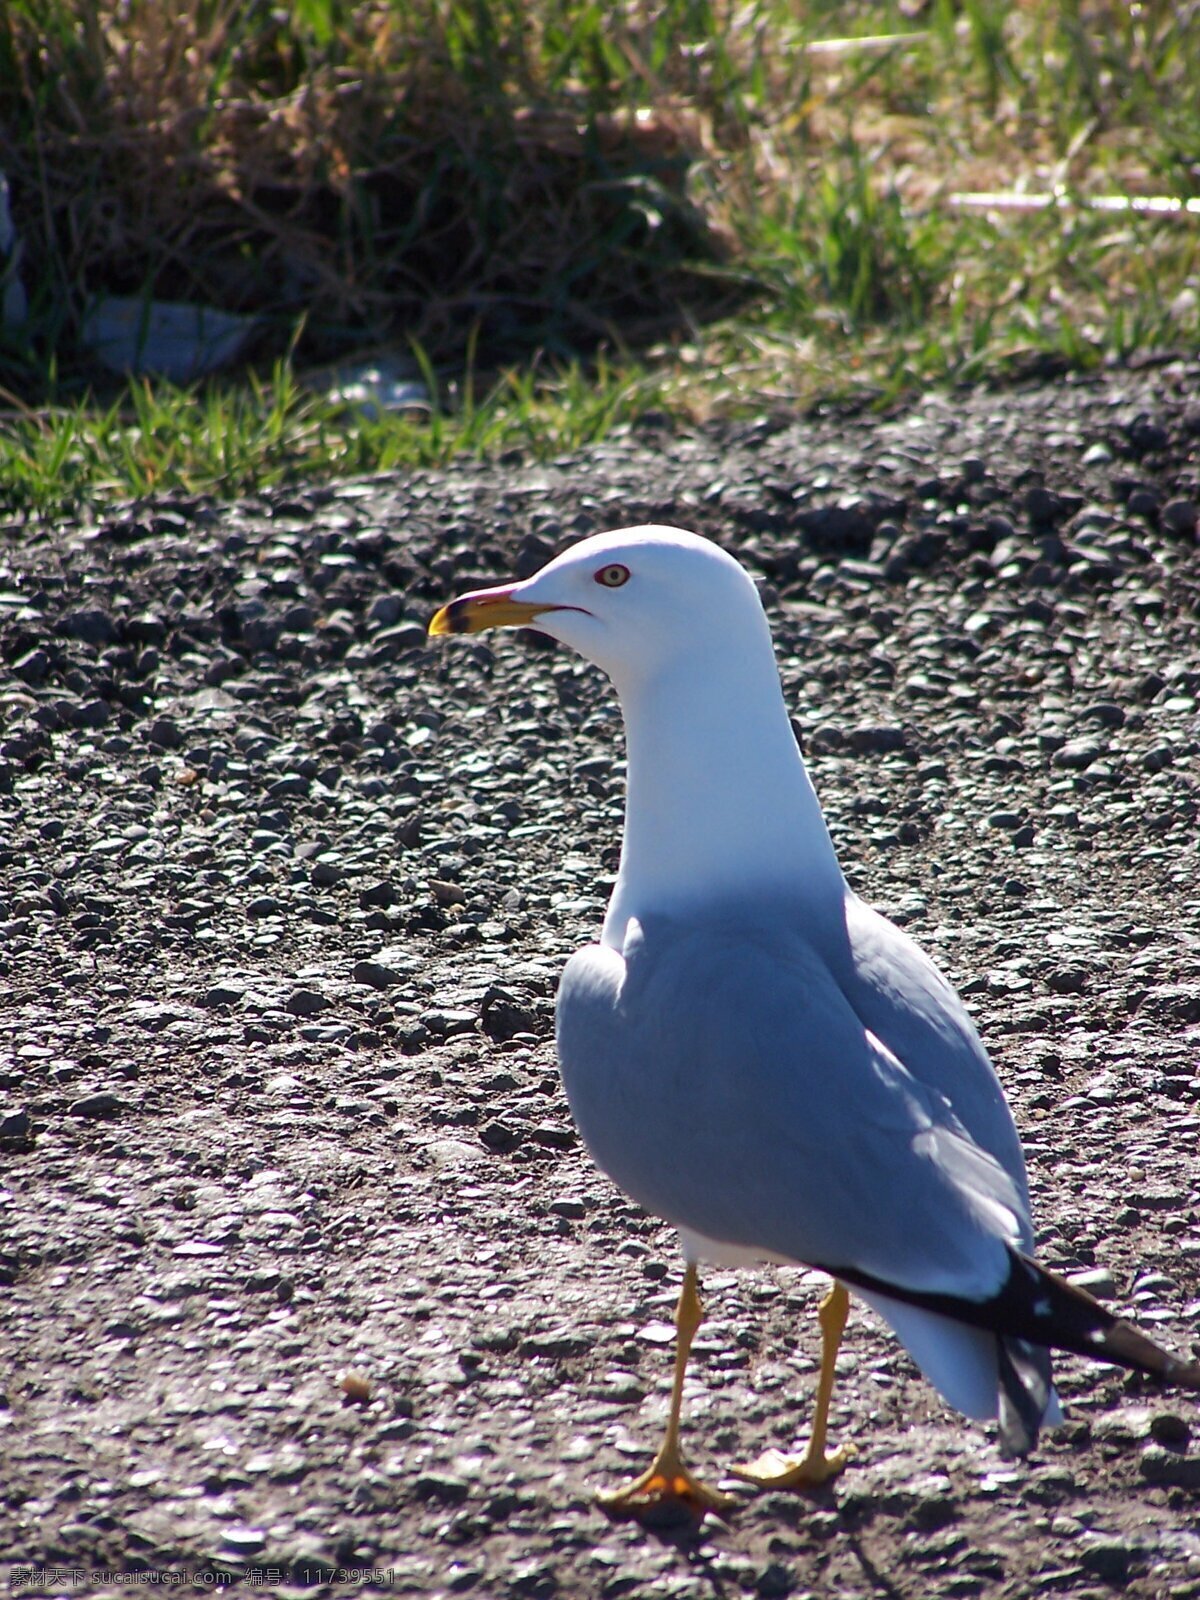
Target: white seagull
point(754, 1054)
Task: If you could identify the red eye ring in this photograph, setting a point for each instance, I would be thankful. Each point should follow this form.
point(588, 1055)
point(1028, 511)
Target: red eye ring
point(613, 575)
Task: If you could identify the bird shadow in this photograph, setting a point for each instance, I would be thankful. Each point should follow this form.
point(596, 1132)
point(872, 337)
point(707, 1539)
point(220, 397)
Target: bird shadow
point(880, 1583)
point(689, 1532)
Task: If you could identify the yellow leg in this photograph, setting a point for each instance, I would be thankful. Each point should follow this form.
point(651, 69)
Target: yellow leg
point(667, 1482)
point(774, 1470)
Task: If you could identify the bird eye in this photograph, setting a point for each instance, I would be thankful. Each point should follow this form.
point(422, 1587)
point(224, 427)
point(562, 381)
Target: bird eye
point(613, 576)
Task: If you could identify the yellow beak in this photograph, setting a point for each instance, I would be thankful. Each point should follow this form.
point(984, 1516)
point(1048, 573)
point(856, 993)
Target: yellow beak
point(485, 608)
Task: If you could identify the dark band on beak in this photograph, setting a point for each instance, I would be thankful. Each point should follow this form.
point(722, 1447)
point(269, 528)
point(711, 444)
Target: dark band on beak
point(488, 608)
point(454, 618)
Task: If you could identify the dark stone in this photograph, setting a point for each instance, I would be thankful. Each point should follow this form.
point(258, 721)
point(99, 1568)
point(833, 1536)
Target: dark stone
point(774, 1581)
point(1106, 1558)
point(825, 740)
point(1106, 712)
point(501, 1137)
point(846, 528)
point(385, 610)
point(1146, 436)
point(164, 732)
point(502, 1016)
point(266, 905)
point(375, 975)
point(443, 1487)
point(292, 786)
point(533, 552)
point(1151, 686)
point(145, 629)
point(102, 1104)
point(307, 1003)
point(1169, 1428)
point(1180, 517)
point(222, 995)
point(377, 894)
point(33, 667)
point(91, 626)
point(876, 740)
point(1068, 980)
point(92, 714)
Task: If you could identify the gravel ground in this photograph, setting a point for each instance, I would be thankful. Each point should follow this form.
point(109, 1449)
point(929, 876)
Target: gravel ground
point(306, 1277)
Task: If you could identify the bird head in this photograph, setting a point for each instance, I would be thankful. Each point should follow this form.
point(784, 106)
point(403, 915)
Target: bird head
point(628, 600)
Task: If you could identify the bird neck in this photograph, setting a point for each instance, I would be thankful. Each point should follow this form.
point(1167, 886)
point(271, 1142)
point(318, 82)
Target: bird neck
point(719, 805)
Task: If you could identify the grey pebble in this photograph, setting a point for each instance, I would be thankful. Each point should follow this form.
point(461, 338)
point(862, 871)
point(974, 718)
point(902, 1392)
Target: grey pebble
point(556, 1342)
point(385, 610)
point(1106, 712)
point(404, 636)
point(15, 1124)
point(449, 1021)
point(1098, 1281)
point(1078, 754)
point(1068, 980)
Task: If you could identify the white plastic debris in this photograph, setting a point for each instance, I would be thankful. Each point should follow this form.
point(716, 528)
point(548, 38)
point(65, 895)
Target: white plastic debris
point(164, 338)
point(383, 383)
point(1152, 205)
point(14, 307)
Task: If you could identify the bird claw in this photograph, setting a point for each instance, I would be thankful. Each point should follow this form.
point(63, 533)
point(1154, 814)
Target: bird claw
point(666, 1487)
point(774, 1470)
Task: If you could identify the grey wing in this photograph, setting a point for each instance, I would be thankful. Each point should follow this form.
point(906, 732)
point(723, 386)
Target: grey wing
point(899, 994)
point(725, 1082)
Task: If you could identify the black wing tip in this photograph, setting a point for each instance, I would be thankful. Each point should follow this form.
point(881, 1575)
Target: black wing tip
point(1035, 1306)
point(1023, 1396)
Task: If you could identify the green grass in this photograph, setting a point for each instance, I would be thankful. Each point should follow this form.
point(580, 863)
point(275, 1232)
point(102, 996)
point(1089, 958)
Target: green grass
point(573, 213)
point(251, 435)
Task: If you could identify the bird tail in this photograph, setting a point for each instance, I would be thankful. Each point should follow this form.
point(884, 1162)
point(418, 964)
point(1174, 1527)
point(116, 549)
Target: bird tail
point(1037, 1305)
point(1036, 1311)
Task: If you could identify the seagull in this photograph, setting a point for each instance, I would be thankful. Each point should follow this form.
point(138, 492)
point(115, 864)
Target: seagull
point(754, 1054)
